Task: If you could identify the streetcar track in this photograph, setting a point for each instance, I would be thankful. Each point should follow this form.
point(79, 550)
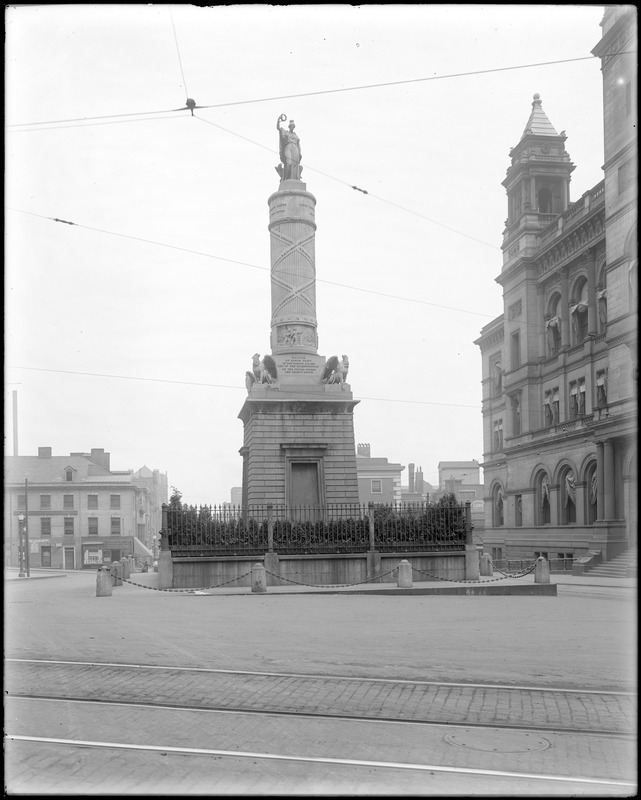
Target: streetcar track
point(322, 716)
point(391, 765)
point(321, 676)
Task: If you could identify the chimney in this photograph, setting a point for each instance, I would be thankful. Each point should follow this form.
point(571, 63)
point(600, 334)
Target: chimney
point(44, 452)
point(363, 450)
point(410, 472)
point(101, 458)
point(419, 480)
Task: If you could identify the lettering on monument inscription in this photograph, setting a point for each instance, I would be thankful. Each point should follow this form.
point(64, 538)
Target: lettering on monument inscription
point(298, 364)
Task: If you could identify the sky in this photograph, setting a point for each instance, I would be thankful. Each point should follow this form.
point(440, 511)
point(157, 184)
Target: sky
point(131, 329)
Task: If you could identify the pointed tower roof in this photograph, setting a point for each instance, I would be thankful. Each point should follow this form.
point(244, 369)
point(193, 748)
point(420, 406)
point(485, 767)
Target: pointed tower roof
point(538, 123)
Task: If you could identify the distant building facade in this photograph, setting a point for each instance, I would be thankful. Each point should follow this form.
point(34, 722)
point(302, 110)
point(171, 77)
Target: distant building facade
point(559, 365)
point(77, 512)
point(463, 479)
point(379, 480)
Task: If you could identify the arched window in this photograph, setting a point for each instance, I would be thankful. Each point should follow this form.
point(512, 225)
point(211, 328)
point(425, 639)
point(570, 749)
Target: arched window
point(590, 494)
point(579, 312)
point(498, 507)
point(567, 497)
point(553, 326)
point(542, 510)
point(544, 198)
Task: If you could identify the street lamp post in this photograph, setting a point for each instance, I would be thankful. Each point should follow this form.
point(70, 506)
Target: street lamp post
point(21, 519)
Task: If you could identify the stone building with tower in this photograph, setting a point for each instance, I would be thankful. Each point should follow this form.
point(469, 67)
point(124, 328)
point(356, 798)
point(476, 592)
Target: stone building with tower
point(559, 365)
point(298, 447)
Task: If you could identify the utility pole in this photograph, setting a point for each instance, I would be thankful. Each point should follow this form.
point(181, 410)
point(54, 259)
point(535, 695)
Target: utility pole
point(26, 525)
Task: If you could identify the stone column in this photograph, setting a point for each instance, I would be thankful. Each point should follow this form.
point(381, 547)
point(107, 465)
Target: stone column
point(608, 476)
point(293, 269)
point(593, 328)
point(541, 333)
point(565, 309)
point(600, 511)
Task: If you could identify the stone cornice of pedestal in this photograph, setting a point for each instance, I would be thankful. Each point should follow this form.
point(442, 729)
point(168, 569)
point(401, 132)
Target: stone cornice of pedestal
point(297, 405)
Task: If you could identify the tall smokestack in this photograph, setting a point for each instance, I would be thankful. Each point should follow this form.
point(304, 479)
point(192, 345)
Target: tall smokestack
point(410, 472)
point(15, 422)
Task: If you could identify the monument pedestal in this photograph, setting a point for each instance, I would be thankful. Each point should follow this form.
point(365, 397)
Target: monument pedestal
point(299, 447)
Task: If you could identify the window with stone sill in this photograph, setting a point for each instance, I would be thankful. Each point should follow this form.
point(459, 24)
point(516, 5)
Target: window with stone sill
point(45, 526)
point(69, 527)
point(377, 487)
point(45, 501)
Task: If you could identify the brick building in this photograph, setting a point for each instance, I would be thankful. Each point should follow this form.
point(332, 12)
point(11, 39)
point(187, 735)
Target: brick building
point(559, 365)
point(379, 480)
point(78, 513)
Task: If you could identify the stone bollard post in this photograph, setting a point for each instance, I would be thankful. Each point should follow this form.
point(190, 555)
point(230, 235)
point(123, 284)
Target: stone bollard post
point(103, 582)
point(541, 571)
point(486, 565)
point(259, 578)
point(404, 575)
point(116, 574)
point(126, 568)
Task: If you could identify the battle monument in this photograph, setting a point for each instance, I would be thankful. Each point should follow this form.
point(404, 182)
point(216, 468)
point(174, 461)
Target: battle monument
point(299, 447)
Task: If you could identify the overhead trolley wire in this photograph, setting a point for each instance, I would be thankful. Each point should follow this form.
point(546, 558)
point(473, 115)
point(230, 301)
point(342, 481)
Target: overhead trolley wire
point(242, 263)
point(218, 385)
point(324, 91)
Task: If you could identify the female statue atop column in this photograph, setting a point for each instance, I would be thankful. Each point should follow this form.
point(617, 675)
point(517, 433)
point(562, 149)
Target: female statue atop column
point(290, 151)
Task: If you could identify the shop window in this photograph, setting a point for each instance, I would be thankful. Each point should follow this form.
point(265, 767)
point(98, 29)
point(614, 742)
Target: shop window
point(68, 526)
point(45, 556)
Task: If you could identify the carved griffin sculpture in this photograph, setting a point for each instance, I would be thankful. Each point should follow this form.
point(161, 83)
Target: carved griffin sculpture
point(263, 371)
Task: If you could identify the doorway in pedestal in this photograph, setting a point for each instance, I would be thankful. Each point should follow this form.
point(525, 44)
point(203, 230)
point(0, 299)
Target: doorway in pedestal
point(304, 490)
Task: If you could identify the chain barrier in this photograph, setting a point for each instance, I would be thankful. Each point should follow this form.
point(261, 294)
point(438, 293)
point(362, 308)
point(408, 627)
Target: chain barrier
point(477, 583)
point(505, 575)
point(197, 589)
point(520, 574)
point(332, 585)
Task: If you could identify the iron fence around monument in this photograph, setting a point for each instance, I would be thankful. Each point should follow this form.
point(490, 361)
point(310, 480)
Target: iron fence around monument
point(211, 531)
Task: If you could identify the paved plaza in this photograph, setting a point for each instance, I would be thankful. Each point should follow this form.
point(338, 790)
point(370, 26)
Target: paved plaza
point(585, 637)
